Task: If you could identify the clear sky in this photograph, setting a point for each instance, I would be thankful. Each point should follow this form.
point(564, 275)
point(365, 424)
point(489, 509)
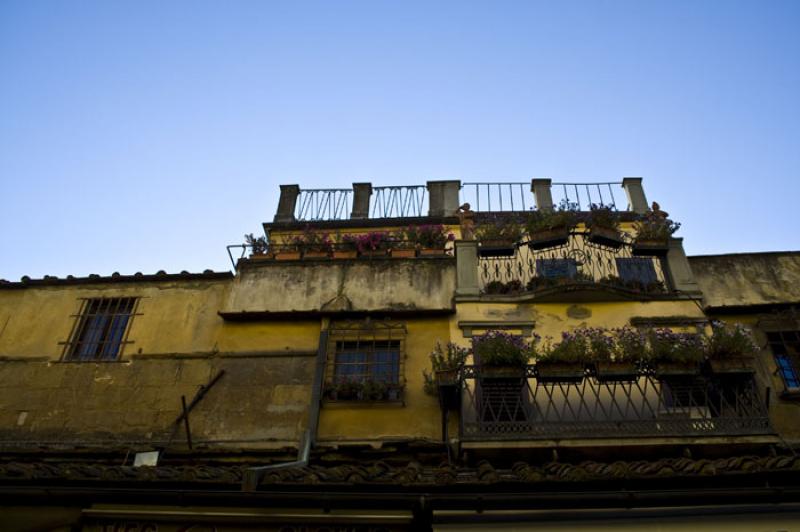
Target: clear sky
point(147, 135)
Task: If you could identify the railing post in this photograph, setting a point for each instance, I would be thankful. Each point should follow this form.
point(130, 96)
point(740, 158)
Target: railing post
point(467, 268)
point(636, 199)
point(542, 194)
point(361, 195)
point(680, 272)
point(287, 204)
point(443, 197)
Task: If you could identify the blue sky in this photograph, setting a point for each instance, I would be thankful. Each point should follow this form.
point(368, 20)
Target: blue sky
point(139, 136)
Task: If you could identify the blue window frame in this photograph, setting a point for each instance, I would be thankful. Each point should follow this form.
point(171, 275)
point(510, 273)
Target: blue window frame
point(637, 269)
point(367, 360)
point(785, 347)
point(556, 268)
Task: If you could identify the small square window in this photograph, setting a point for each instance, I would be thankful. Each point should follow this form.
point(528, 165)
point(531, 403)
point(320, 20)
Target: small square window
point(100, 330)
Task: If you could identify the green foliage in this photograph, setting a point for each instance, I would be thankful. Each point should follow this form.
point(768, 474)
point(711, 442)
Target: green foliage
point(449, 358)
point(565, 216)
point(430, 236)
point(495, 348)
point(498, 227)
point(603, 216)
point(654, 225)
point(257, 244)
point(668, 346)
point(729, 341)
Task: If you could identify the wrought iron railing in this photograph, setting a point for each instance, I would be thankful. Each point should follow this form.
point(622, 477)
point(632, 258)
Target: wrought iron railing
point(498, 197)
point(579, 261)
point(399, 202)
point(524, 408)
point(324, 204)
point(586, 194)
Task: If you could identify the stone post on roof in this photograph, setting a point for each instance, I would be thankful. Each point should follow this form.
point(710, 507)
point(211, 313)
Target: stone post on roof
point(542, 194)
point(467, 268)
point(637, 202)
point(361, 195)
point(287, 204)
point(443, 197)
point(680, 272)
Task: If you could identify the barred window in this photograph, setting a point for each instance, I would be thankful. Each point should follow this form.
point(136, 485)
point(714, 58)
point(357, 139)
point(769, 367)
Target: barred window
point(365, 360)
point(100, 330)
point(785, 347)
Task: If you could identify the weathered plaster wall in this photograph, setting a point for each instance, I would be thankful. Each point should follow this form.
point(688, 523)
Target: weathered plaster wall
point(378, 284)
point(748, 278)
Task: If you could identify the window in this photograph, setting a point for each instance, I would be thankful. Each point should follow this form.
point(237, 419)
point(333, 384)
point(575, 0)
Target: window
point(556, 268)
point(365, 361)
point(785, 347)
point(100, 329)
point(641, 270)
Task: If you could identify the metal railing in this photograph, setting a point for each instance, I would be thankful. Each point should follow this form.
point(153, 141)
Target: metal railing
point(578, 261)
point(324, 204)
point(398, 202)
point(586, 194)
point(525, 408)
point(498, 197)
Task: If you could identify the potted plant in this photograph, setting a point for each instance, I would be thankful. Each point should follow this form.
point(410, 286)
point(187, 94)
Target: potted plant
point(498, 235)
point(258, 246)
point(444, 380)
point(289, 248)
point(551, 227)
point(374, 390)
point(501, 354)
point(314, 245)
point(401, 246)
point(674, 354)
point(618, 359)
point(345, 390)
point(564, 361)
point(373, 244)
point(603, 226)
point(344, 246)
point(653, 231)
point(430, 239)
point(730, 349)
point(499, 287)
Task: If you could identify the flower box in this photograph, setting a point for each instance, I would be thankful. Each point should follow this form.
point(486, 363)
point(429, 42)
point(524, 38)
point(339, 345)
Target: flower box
point(449, 387)
point(560, 372)
point(496, 248)
point(733, 365)
point(313, 255)
point(605, 236)
point(345, 254)
point(403, 253)
point(432, 252)
point(374, 253)
point(549, 239)
point(650, 248)
point(262, 256)
point(287, 255)
point(616, 371)
point(501, 372)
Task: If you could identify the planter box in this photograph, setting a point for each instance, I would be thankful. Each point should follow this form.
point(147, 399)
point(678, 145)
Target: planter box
point(316, 255)
point(677, 369)
point(604, 236)
point(502, 373)
point(262, 256)
point(549, 239)
point(345, 253)
point(449, 387)
point(432, 252)
point(559, 372)
point(650, 248)
point(374, 253)
point(616, 371)
point(732, 366)
point(403, 253)
point(287, 255)
point(496, 248)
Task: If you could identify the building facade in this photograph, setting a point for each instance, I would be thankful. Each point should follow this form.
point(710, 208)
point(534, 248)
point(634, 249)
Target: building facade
point(298, 393)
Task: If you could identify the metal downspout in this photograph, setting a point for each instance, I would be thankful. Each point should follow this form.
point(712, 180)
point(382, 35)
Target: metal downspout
point(252, 476)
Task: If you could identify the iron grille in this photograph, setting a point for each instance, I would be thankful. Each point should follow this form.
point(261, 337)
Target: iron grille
point(100, 331)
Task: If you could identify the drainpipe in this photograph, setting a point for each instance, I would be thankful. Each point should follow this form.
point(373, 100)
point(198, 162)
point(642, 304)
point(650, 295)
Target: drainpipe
point(252, 476)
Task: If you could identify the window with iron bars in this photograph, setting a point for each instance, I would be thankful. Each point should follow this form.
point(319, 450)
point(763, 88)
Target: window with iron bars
point(366, 361)
point(101, 329)
point(785, 347)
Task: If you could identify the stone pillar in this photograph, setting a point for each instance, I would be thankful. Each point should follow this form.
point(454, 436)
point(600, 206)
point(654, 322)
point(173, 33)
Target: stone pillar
point(635, 191)
point(467, 268)
point(287, 203)
point(680, 273)
point(443, 197)
point(542, 194)
point(361, 195)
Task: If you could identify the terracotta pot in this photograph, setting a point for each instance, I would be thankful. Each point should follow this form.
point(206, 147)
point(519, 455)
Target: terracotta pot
point(287, 255)
point(316, 255)
point(345, 254)
point(549, 239)
point(262, 256)
point(374, 253)
point(605, 236)
point(432, 252)
point(403, 253)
